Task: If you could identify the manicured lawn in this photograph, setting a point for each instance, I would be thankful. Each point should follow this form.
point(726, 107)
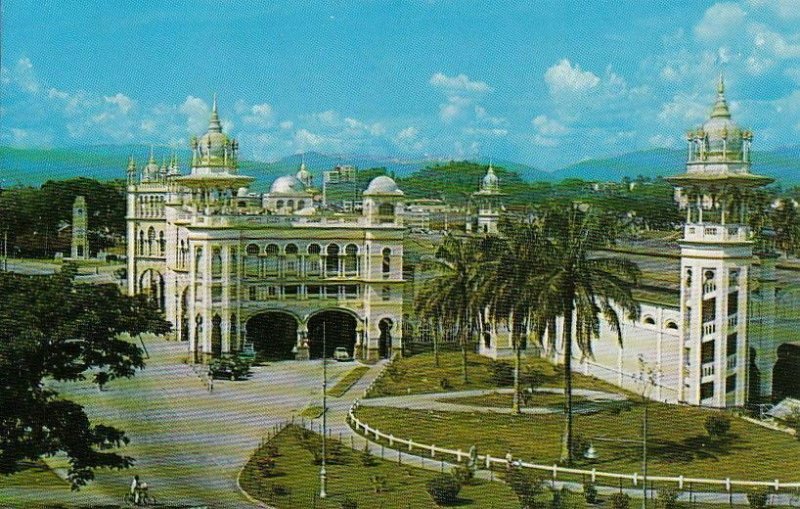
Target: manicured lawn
point(311, 412)
point(418, 375)
point(297, 475)
point(34, 474)
point(497, 400)
point(347, 381)
point(677, 445)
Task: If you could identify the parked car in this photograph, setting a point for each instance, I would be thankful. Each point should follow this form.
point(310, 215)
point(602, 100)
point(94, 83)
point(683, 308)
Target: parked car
point(230, 368)
point(340, 353)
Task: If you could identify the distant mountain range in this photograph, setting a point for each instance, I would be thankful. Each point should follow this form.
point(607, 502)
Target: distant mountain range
point(106, 162)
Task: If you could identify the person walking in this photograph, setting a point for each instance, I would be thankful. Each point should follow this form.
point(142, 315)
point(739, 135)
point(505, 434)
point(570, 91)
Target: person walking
point(135, 489)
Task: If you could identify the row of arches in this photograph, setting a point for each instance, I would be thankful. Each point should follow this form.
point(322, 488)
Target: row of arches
point(154, 243)
point(668, 324)
point(150, 206)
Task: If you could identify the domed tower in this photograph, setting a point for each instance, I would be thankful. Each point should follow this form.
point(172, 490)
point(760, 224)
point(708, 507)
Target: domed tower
point(305, 176)
point(150, 173)
point(716, 254)
point(489, 203)
point(214, 179)
point(383, 201)
point(80, 224)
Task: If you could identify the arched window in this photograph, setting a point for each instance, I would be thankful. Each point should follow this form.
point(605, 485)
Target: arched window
point(314, 261)
point(648, 320)
point(291, 259)
point(332, 260)
point(151, 237)
point(279, 204)
point(386, 212)
point(182, 254)
point(141, 242)
point(671, 325)
point(198, 259)
point(233, 267)
point(251, 261)
point(301, 204)
point(271, 262)
point(234, 333)
point(386, 293)
point(386, 265)
point(351, 259)
point(290, 205)
point(162, 242)
point(216, 262)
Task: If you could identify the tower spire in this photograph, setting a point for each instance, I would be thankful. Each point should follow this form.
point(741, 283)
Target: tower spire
point(214, 124)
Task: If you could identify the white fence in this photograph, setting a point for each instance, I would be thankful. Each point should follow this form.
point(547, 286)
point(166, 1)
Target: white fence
point(554, 470)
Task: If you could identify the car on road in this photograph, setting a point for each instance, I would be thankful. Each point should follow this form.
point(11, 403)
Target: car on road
point(230, 368)
point(340, 353)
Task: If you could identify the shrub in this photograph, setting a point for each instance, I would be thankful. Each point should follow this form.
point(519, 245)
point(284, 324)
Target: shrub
point(279, 490)
point(590, 493)
point(378, 483)
point(501, 374)
point(444, 383)
point(757, 499)
point(463, 475)
point(717, 426)
point(793, 421)
point(620, 501)
point(367, 459)
point(559, 500)
point(266, 465)
point(523, 483)
point(668, 498)
point(443, 489)
point(349, 503)
point(270, 449)
point(579, 446)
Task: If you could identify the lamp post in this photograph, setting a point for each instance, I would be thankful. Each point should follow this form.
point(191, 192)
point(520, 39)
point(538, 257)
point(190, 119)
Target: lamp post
point(323, 478)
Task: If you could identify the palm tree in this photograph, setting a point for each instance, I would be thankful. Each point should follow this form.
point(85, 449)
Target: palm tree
point(448, 298)
point(584, 289)
point(511, 282)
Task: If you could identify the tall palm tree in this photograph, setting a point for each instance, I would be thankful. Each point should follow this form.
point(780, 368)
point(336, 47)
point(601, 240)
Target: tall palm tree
point(584, 288)
point(511, 282)
point(449, 297)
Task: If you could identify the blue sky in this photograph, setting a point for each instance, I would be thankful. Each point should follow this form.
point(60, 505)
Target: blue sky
point(546, 83)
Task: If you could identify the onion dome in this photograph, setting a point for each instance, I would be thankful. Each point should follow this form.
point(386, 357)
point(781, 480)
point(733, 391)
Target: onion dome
point(151, 170)
point(214, 148)
point(383, 185)
point(288, 184)
point(490, 182)
point(723, 136)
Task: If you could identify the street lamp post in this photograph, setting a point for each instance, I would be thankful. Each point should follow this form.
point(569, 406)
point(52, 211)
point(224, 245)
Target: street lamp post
point(323, 478)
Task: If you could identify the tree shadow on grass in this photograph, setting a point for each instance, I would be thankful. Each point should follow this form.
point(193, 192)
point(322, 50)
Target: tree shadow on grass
point(698, 447)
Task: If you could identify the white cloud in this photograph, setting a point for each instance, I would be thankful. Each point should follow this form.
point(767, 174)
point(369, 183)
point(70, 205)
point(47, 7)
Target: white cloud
point(122, 101)
point(409, 133)
point(327, 117)
point(661, 140)
point(786, 9)
point(544, 141)
point(719, 21)
point(459, 83)
point(306, 140)
point(286, 125)
point(197, 114)
point(494, 132)
point(684, 109)
point(24, 76)
point(453, 108)
point(548, 126)
point(772, 42)
point(564, 77)
point(260, 115)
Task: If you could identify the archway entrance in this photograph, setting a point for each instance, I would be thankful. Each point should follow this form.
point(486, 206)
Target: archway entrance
point(786, 374)
point(184, 315)
point(273, 334)
point(216, 336)
point(340, 330)
point(385, 339)
point(151, 283)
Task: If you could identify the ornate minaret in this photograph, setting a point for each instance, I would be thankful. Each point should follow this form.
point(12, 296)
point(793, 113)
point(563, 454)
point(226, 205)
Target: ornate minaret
point(489, 203)
point(80, 242)
point(716, 256)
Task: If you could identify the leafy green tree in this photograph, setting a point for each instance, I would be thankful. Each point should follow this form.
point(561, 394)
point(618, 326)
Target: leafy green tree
point(448, 298)
point(511, 282)
point(52, 329)
point(786, 223)
point(584, 289)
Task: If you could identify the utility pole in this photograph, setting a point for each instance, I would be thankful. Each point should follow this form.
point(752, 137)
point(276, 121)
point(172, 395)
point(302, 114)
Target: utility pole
point(323, 478)
point(5, 250)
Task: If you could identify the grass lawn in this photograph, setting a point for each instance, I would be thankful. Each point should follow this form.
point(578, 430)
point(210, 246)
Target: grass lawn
point(296, 475)
point(497, 400)
point(347, 381)
point(311, 412)
point(34, 474)
point(677, 445)
point(418, 375)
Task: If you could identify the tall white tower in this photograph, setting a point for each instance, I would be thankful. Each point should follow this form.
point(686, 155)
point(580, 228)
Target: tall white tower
point(80, 241)
point(716, 255)
point(489, 203)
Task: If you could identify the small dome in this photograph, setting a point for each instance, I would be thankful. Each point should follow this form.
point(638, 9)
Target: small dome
point(287, 184)
point(383, 185)
point(490, 181)
point(303, 175)
point(242, 192)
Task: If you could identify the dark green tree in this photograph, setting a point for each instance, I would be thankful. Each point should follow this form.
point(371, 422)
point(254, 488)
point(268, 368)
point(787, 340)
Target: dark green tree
point(52, 329)
point(584, 289)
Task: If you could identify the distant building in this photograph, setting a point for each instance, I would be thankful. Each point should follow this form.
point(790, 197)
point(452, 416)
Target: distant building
point(487, 205)
point(80, 225)
point(275, 272)
point(340, 189)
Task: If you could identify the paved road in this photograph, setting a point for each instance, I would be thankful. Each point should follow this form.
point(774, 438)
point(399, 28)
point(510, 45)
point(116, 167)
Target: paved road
point(190, 444)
